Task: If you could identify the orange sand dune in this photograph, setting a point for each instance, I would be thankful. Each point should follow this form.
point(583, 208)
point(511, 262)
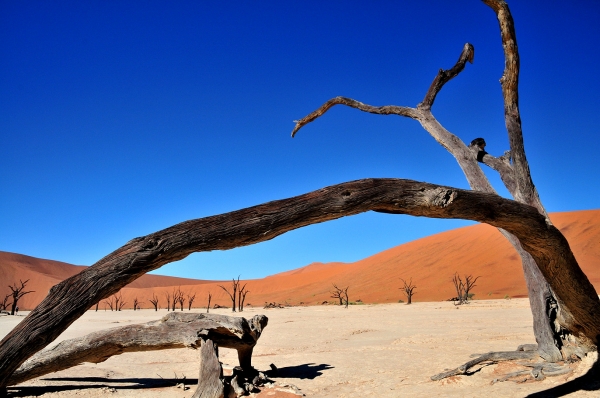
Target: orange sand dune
point(430, 262)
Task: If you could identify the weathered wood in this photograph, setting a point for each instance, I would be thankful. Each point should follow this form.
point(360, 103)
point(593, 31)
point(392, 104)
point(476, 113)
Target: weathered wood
point(489, 357)
point(71, 298)
point(210, 383)
point(175, 330)
point(516, 177)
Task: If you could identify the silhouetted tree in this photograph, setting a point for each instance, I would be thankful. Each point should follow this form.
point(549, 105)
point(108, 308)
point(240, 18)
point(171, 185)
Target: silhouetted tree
point(341, 294)
point(168, 297)
point(409, 290)
point(190, 299)
point(4, 304)
point(208, 306)
point(136, 304)
point(17, 293)
point(242, 297)
point(154, 301)
point(234, 287)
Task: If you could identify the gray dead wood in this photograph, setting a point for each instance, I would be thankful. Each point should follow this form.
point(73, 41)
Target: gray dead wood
point(492, 357)
point(71, 298)
point(210, 378)
point(552, 324)
point(175, 330)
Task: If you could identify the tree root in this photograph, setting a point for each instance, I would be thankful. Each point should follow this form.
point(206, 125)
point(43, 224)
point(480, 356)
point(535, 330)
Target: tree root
point(539, 370)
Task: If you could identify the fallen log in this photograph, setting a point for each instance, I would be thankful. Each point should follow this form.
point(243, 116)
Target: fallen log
point(175, 330)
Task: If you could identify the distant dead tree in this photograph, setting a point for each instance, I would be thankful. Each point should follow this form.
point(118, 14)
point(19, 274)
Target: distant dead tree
point(111, 303)
point(4, 303)
point(341, 294)
point(409, 290)
point(136, 304)
point(119, 302)
point(168, 297)
point(190, 299)
point(176, 295)
point(17, 293)
point(242, 297)
point(180, 298)
point(97, 304)
point(463, 288)
point(469, 284)
point(234, 286)
point(154, 301)
point(208, 306)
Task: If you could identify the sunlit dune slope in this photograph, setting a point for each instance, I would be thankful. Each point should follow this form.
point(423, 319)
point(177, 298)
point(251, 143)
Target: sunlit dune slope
point(430, 262)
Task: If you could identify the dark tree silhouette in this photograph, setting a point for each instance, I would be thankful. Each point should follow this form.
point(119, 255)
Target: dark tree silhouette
point(409, 290)
point(4, 304)
point(341, 294)
point(208, 305)
point(18, 291)
point(191, 299)
point(168, 297)
point(154, 301)
point(232, 295)
point(242, 297)
point(136, 304)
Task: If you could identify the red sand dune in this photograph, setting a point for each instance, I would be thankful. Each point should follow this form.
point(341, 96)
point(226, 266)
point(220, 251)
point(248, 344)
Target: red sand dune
point(477, 250)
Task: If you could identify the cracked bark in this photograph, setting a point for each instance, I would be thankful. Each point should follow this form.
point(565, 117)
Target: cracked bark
point(69, 299)
point(554, 340)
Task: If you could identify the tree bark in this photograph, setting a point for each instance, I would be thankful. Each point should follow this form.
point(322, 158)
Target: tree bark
point(69, 299)
point(210, 383)
point(174, 330)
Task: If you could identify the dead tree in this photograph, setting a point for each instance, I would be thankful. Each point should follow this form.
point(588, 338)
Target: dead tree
point(232, 295)
point(242, 297)
point(191, 299)
point(555, 281)
point(119, 302)
point(341, 294)
point(546, 304)
point(136, 304)
point(111, 303)
point(208, 305)
point(469, 284)
point(409, 290)
point(173, 331)
point(181, 300)
point(4, 304)
point(154, 301)
point(168, 297)
point(459, 286)
point(176, 293)
point(17, 293)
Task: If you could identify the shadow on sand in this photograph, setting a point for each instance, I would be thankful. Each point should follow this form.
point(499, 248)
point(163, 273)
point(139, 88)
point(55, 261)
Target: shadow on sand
point(305, 371)
point(97, 382)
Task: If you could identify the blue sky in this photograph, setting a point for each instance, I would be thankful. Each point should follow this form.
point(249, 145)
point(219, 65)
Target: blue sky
point(120, 118)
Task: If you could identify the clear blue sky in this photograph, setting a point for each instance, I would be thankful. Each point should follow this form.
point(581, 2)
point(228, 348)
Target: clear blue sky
point(120, 118)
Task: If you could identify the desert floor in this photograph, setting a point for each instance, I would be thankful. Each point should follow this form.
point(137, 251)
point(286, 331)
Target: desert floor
point(385, 350)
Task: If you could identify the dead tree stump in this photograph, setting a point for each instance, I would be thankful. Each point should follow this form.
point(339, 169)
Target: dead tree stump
point(210, 378)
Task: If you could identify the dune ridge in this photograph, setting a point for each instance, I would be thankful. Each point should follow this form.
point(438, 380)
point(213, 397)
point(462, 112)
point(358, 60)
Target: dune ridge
point(478, 250)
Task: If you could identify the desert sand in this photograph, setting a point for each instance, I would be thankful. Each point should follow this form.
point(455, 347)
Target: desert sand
point(383, 350)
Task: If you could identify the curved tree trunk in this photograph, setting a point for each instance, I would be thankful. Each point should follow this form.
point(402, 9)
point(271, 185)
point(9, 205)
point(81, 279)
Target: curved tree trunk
point(69, 299)
point(554, 342)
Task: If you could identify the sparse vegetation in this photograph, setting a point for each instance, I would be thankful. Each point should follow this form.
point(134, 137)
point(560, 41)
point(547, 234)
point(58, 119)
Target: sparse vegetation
point(409, 289)
point(341, 294)
point(232, 295)
point(17, 293)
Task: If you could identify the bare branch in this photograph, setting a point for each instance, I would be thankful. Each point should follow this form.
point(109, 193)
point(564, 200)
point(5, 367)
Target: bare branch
point(266, 221)
point(380, 110)
point(443, 76)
